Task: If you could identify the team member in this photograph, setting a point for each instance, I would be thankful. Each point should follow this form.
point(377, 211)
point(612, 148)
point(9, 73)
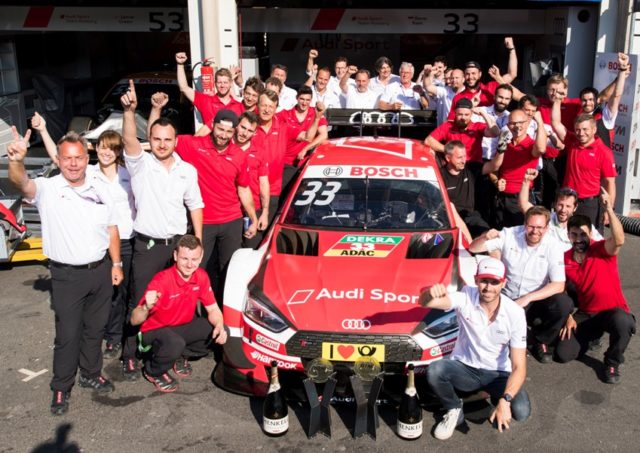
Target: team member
point(384, 69)
point(401, 95)
point(360, 96)
point(287, 94)
point(163, 184)
point(443, 95)
point(273, 84)
point(258, 169)
point(589, 162)
point(490, 353)
point(520, 154)
point(166, 316)
point(592, 266)
point(318, 81)
point(329, 86)
point(208, 104)
point(535, 275)
point(81, 276)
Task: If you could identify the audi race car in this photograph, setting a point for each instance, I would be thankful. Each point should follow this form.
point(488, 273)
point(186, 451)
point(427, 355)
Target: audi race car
point(365, 227)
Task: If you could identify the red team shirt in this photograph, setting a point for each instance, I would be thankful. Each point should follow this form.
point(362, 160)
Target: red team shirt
point(178, 298)
point(570, 108)
point(295, 127)
point(209, 105)
point(471, 137)
point(517, 159)
point(597, 280)
point(257, 166)
point(219, 174)
point(587, 165)
point(487, 93)
point(274, 146)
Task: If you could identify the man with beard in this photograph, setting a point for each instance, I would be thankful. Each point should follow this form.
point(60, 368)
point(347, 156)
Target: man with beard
point(401, 95)
point(223, 179)
point(592, 266)
point(535, 275)
point(360, 96)
point(443, 95)
point(490, 353)
point(164, 187)
point(564, 207)
point(320, 91)
point(589, 162)
point(512, 161)
point(208, 104)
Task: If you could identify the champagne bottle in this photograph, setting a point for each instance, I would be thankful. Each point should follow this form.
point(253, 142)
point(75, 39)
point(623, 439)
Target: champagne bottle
point(410, 413)
point(275, 413)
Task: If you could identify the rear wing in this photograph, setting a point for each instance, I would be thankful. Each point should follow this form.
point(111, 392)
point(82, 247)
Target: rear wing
point(420, 122)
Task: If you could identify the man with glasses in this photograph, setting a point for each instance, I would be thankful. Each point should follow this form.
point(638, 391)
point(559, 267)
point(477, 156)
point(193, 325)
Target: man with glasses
point(535, 275)
point(490, 353)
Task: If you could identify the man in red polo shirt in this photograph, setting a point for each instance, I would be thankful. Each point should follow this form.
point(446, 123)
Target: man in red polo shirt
point(170, 333)
point(520, 154)
point(207, 104)
point(592, 267)
point(589, 162)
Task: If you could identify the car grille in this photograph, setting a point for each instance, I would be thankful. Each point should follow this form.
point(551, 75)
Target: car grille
point(398, 348)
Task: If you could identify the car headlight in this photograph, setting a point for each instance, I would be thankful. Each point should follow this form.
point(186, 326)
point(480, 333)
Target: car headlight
point(261, 315)
point(442, 326)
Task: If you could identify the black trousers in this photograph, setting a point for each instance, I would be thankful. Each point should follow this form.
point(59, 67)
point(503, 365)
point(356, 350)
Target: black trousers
point(508, 213)
point(475, 223)
point(549, 181)
point(220, 241)
point(546, 317)
point(148, 259)
point(120, 297)
point(591, 208)
point(81, 300)
point(168, 344)
point(619, 324)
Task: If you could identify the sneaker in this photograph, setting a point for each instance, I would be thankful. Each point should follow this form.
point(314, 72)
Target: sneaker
point(541, 352)
point(611, 374)
point(99, 383)
point(112, 350)
point(130, 369)
point(60, 402)
point(164, 383)
point(452, 419)
point(182, 367)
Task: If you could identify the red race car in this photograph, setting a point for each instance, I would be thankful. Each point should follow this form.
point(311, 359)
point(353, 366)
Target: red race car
point(365, 227)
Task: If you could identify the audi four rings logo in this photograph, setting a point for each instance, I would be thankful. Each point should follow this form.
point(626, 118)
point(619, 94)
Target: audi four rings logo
point(356, 324)
point(332, 171)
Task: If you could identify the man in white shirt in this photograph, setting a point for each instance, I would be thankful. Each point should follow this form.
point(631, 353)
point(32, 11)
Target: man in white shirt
point(78, 227)
point(443, 95)
point(360, 97)
point(163, 184)
point(490, 352)
point(535, 275)
point(321, 93)
point(401, 95)
point(385, 76)
point(287, 94)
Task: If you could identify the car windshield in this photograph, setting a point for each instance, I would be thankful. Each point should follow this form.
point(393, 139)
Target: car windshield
point(382, 201)
point(144, 91)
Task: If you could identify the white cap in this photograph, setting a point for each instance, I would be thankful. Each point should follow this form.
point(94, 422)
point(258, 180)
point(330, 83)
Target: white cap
point(491, 268)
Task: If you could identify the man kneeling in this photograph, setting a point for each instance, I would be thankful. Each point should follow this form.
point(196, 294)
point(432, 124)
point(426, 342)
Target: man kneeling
point(169, 328)
point(490, 353)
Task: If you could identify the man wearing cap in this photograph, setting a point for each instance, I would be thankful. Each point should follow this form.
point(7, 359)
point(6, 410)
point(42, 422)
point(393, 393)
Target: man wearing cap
point(535, 275)
point(490, 353)
point(223, 178)
point(163, 185)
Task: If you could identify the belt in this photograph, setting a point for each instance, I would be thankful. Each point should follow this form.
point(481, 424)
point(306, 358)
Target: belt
point(589, 198)
point(78, 266)
point(165, 241)
point(509, 195)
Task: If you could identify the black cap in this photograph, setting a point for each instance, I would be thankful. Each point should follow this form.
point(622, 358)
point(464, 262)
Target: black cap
point(464, 103)
point(473, 64)
point(226, 115)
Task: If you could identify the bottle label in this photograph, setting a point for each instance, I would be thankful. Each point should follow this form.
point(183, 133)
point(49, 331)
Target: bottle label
point(277, 426)
point(410, 431)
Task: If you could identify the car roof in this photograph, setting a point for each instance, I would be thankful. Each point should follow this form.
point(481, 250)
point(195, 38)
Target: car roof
point(373, 150)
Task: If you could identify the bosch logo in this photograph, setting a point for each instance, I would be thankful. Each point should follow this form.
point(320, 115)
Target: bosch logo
point(356, 324)
point(332, 171)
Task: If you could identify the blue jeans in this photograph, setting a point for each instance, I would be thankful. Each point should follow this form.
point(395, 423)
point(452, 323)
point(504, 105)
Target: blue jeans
point(446, 376)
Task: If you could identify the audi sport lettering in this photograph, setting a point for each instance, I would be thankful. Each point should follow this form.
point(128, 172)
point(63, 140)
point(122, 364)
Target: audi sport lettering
point(375, 294)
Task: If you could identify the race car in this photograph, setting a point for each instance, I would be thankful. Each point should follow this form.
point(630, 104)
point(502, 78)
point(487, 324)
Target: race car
point(365, 227)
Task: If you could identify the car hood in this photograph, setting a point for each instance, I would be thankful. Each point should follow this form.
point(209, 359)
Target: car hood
point(320, 292)
point(114, 122)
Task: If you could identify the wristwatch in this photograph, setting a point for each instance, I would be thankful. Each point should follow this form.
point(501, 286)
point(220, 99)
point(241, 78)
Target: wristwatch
point(507, 397)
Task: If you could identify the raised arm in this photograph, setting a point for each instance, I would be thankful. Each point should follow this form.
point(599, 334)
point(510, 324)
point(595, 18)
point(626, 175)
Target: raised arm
point(614, 243)
point(435, 297)
point(492, 129)
point(541, 136)
point(189, 93)
point(344, 81)
point(313, 54)
point(512, 65)
point(523, 196)
point(427, 81)
point(479, 244)
point(38, 123)
point(556, 120)
point(158, 101)
point(129, 103)
point(613, 103)
point(16, 152)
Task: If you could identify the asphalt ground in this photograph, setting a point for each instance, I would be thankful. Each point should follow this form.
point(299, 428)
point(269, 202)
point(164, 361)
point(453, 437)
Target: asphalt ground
point(572, 409)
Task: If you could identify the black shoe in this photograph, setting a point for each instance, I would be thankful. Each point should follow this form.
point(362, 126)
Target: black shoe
point(541, 352)
point(182, 367)
point(130, 369)
point(112, 350)
point(60, 402)
point(164, 383)
point(99, 383)
point(611, 374)
point(596, 344)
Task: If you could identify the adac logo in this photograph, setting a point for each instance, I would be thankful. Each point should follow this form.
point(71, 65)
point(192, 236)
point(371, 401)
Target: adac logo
point(364, 245)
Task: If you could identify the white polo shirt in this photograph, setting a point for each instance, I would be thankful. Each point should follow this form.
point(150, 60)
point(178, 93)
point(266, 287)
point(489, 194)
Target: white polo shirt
point(161, 194)
point(334, 87)
point(121, 194)
point(562, 236)
point(287, 99)
point(490, 144)
point(528, 268)
point(395, 92)
point(444, 98)
point(328, 98)
point(358, 100)
point(376, 85)
point(75, 220)
point(482, 344)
